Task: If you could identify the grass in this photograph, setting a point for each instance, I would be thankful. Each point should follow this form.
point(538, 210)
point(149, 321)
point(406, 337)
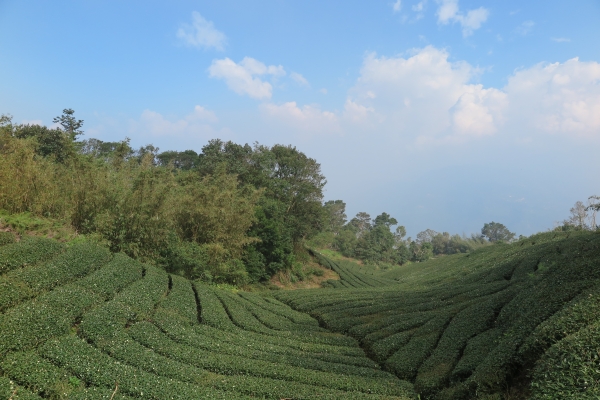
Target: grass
point(28, 224)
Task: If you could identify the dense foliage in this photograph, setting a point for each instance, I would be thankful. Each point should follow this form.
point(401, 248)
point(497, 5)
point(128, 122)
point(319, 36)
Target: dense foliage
point(232, 213)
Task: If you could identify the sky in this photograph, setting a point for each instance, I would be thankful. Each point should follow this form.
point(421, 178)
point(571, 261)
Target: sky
point(446, 114)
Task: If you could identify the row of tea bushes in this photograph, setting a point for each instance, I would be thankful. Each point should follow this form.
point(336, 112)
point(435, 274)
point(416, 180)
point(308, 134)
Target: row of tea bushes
point(29, 251)
point(177, 339)
point(24, 283)
point(227, 364)
point(10, 390)
point(99, 369)
point(53, 313)
point(47, 380)
point(243, 318)
point(252, 344)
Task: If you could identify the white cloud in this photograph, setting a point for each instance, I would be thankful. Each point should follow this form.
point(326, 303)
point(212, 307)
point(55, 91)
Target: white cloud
point(420, 6)
point(448, 11)
point(473, 20)
point(242, 79)
point(357, 113)
point(422, 98)
point(397, 6)
point(309, 119)
point(323, 90)
point(560, 98)
point(525, 28)
point(197, 123)
point(255, 67)
point(201, 33)
point(560, 40)
point(299, 78)
point(478, 112)
point(428, 94)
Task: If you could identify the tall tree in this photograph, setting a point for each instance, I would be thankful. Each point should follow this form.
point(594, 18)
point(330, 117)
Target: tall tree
point(69, 123)
point(361, 223)
point(495, 231)
point(578, 217)
point(335, 214)
point(594, 207)
point(385, 219)
point(49, 142)
point(426, 236)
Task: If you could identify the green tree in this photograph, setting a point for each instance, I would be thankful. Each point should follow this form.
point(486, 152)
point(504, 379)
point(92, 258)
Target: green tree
point(290, 210)
point(49, 142)
point(420, 252)
point(98, 148)
point(495, 232)
point(69, 123)
point(335, 214)
point(345, 241)
point(400, 233)
point(185, 160)
point(385, 220)
point(426, 236)
point(361, 223)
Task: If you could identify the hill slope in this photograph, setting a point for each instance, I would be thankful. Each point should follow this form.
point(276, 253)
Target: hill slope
point(473, 325)
point(79, 322)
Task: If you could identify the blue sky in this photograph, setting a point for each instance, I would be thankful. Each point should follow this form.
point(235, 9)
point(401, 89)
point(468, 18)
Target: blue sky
point(446, 114)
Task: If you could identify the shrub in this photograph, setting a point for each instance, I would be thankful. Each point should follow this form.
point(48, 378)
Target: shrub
point(29, 251)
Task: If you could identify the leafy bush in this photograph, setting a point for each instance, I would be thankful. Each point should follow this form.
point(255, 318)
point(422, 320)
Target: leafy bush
point(570, 368)
point(9, 390)
point(29, 251)
point(99, 369)
point(79, 260)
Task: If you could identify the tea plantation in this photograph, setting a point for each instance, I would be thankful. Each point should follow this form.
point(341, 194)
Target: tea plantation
point(78, 322)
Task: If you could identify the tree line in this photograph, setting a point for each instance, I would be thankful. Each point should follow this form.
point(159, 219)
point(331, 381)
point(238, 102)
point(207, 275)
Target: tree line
point(382, 241)
point(230, 213)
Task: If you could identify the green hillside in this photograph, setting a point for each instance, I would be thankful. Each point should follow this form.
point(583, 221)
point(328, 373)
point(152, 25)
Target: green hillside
point(478, 325)
point(79, 322)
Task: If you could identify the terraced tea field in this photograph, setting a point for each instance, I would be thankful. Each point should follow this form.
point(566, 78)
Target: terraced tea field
point(78, 322)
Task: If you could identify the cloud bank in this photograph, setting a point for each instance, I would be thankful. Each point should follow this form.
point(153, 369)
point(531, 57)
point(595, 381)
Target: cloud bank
point(424, 97)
